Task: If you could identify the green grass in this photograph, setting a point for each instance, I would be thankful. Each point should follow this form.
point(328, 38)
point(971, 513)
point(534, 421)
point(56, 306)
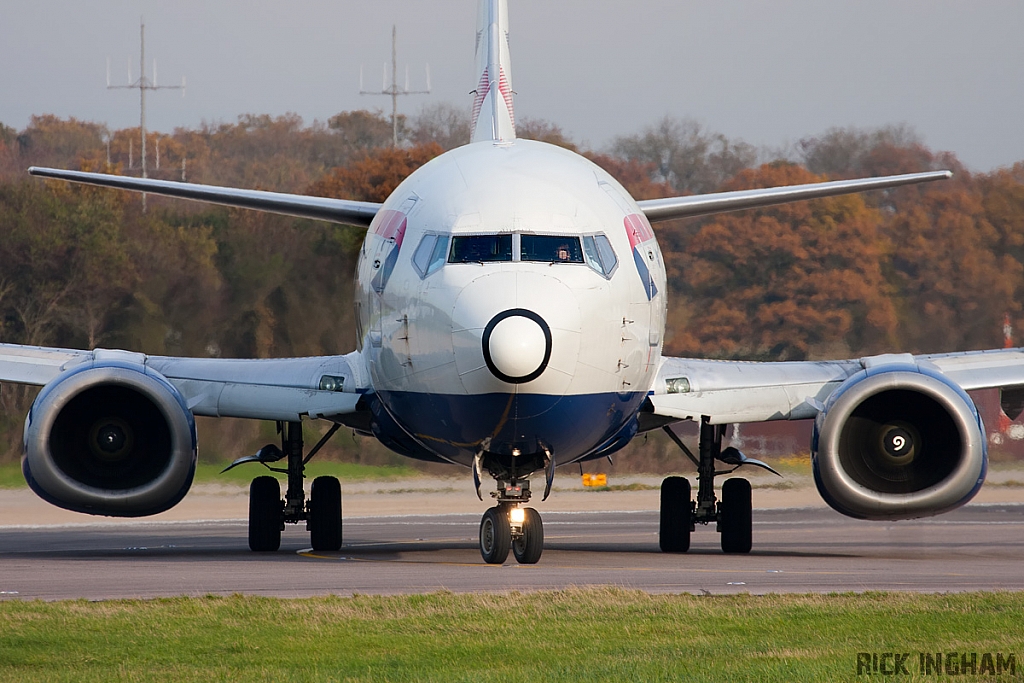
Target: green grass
point(10, 476)
point(574, 635)
point(206, 473)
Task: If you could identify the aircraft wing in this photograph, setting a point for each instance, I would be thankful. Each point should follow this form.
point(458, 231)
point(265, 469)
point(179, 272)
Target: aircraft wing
point(266, 389)
point(343, 211)
point(736, 391)
point(703, 204)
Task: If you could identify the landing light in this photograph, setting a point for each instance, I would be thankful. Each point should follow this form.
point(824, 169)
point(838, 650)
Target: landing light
point(677, 385)
point(332, 383)
point(517, 515)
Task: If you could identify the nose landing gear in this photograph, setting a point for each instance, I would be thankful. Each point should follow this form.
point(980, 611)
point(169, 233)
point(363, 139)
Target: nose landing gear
point(506, 525)
point(509, 523)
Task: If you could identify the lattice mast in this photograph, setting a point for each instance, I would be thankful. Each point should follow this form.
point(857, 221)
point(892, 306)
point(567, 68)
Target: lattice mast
point(393, 91)
point(142, 85)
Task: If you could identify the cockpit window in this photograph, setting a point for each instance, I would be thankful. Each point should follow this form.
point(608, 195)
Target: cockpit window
point(480, 248)
point(551, 249)
point(437, 256)
point(599, 254)
point(430, 254)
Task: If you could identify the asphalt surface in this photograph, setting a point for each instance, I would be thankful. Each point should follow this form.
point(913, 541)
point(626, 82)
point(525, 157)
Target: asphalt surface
point(979, 547)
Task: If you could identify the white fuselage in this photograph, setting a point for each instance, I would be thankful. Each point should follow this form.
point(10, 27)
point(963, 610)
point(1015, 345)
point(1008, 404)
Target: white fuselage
point(423, 321)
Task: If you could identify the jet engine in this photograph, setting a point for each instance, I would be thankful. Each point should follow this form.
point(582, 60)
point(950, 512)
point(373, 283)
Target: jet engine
point(111, 439)
point(898, 442)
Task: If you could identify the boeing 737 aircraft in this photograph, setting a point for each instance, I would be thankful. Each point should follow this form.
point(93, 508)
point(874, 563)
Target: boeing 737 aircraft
point(510, 316)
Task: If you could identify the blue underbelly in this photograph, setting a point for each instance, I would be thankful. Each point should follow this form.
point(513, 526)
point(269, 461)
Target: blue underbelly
point(456, 427)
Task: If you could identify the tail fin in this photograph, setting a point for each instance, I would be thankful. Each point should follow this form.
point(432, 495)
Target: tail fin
point(493, 116)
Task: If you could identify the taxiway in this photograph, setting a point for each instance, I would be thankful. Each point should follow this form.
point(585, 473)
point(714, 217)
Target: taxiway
point(979, 547)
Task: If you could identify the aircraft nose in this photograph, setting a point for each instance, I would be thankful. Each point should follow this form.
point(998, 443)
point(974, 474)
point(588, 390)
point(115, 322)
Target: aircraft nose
point(517, 345)
point(516, 331)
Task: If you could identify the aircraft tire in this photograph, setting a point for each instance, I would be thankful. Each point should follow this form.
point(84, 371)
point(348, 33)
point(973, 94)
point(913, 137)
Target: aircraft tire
point(495, 536)
point(736, 517)
point(674, 530)
point(265, 508)
point(325, 514)
point(528, 547)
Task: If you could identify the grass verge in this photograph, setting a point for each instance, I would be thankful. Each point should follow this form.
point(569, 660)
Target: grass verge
point(602, 634)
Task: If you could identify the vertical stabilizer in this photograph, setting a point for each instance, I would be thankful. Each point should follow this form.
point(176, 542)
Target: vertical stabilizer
point(493, 116)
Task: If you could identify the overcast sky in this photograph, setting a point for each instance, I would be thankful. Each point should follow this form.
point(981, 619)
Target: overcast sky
point(767, 72)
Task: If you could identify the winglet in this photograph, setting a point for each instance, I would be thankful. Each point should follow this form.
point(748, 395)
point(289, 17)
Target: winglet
point(493, 114)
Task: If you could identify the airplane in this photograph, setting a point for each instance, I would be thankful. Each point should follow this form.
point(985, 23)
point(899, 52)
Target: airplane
point(510, 318)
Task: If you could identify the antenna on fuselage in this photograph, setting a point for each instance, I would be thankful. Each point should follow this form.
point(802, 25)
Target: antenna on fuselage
point(393, 91)
point(142, 85)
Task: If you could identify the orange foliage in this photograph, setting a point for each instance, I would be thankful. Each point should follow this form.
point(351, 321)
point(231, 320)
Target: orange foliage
point(951, 268)
point(788, 282)
point(376, 176)
point(634, 175)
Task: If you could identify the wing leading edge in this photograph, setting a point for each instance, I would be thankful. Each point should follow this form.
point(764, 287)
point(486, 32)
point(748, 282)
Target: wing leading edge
point(361, 214)
point(266, 389)
point(346, 212)
point(704, 204)
point(737, 391)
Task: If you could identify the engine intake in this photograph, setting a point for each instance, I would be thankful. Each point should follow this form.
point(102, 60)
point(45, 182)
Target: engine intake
point(898, 443)
point(112, 439)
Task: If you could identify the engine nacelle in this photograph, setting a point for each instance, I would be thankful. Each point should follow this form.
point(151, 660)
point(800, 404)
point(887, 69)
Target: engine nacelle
point(898, 442)
point(111, 439)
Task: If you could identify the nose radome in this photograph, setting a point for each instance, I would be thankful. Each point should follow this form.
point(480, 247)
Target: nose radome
point(517, 345)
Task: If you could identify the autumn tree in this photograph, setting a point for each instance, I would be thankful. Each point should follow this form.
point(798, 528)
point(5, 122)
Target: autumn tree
point(60, 251)
point(8, 139)
point(634, 175)
point(1002, 200)
point(544, 131)
point(849, 152)
point(685, 155)
point(361, 131)
point(954, 271)
point(794, 281)
point(376, 176)
point(443, 123)
point(49, 138)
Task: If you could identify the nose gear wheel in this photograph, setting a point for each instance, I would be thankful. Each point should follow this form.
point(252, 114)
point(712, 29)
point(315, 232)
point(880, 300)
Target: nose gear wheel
point(529, 544)
point(495, 536)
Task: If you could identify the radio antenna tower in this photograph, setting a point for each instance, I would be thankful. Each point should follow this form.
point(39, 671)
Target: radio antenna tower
point(142, 85)
point(393, 89)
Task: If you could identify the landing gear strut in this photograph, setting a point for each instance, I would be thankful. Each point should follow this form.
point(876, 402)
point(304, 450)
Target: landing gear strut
point(680, 515)
point(508, 522)
point(268, 513)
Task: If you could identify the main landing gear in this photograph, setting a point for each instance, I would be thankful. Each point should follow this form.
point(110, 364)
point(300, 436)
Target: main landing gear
point(680, 514)
point(268, 513)
point(509, 524)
